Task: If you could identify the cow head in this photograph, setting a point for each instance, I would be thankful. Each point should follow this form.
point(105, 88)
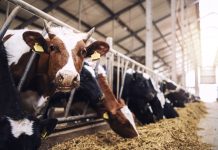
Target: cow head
point(117, 114)
point(25, 133)
point(65, 52)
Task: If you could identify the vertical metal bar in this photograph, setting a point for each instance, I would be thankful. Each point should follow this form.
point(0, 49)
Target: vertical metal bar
point(7, 11)
point(8, 21)
point(183, 43)
point(27, 69)
point(123, 79)
point(149, 35)
point(69, 103)
point(173, 39)
point(112, 71)
point(118, 74)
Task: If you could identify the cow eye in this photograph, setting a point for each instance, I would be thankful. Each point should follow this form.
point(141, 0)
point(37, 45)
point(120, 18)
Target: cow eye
point(54, 48)
point(83, 52)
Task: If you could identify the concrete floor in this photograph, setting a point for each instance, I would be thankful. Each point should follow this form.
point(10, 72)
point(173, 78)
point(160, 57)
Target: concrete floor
point(209, 125)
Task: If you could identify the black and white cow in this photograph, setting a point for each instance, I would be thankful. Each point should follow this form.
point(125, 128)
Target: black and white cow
point(17, 129)
point(140, 96)
point(176, 95)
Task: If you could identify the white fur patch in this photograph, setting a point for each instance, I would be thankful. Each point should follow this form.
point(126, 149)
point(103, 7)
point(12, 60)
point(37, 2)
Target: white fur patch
point(146, 76)
point(92, 64)
point(127, 113)
point(90, 69)
point(130, 71)
point(42, 101)
point(16, 46)
point(19, 127)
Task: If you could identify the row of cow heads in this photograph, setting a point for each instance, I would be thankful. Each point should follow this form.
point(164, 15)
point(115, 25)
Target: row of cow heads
point(65, 51)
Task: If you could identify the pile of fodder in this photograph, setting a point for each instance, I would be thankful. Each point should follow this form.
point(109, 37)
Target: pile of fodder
point(171, 134)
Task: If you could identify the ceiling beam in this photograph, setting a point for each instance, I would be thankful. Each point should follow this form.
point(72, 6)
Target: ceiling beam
point(22, 20)
point(34, 18)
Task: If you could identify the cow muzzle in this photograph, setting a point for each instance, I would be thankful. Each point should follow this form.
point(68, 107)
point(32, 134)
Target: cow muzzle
point(123, 123)
point(65, 81)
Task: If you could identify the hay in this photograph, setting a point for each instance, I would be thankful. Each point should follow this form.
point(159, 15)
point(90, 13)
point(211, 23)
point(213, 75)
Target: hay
point(171, 134)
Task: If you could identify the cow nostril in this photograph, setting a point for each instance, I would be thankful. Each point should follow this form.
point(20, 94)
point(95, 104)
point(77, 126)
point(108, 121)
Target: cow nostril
point(60, 78)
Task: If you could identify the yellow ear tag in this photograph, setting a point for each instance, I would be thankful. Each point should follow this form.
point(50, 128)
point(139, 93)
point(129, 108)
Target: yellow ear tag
point(95, 56)
point(38, 48)
point(105, 116)
point(44, 135)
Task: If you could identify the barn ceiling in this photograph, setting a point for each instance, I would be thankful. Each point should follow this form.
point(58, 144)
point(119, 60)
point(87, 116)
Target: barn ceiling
point(124, 20)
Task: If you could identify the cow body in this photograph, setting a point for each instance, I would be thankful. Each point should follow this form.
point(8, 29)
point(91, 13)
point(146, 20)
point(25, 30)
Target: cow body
point(18, 130)
point(55, 70)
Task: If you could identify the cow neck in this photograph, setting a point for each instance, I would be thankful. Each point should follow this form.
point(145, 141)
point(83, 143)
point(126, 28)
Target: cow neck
point(110, 101)
point(9, 97)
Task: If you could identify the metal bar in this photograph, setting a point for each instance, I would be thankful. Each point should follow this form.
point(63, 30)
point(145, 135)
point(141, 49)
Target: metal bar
point(173, 39)
point(123, 79)
point(34, 18)
point(27, 69)
point(69, 103)
point(8, 21)
point(74, 118)
point(183, 43)
point(7, 11)
point(149, 35)
point(118, 75)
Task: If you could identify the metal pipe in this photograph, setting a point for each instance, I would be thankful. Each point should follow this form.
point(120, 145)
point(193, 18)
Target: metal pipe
point(173, 39)
point(27, 69)
point(149, 35)
point(118, 74)
point(8, 22)
point(80, 14)
point(74, 118)
point(69, 103)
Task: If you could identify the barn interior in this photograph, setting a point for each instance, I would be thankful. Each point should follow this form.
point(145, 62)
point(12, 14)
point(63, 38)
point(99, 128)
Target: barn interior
point(175, 39)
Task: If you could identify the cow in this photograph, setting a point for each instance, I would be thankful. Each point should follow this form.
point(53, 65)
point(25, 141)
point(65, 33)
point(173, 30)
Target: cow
point(95, 90)
point(58, 68)
point(176, 95)
point(140, 96)
point(18, 130)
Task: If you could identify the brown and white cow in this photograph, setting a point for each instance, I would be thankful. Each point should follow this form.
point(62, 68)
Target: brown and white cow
point(55, 70)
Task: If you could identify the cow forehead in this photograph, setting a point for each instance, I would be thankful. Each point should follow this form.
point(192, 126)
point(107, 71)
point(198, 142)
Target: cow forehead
point(19, 127)
point(68, 37)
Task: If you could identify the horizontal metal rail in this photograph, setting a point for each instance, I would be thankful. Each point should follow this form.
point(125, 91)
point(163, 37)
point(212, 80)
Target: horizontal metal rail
point(75, 118)
point(48, 17)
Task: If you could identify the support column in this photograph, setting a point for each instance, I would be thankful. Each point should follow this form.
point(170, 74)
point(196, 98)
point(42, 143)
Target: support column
point(183, 44)
point(173, 39)
point(149, 35)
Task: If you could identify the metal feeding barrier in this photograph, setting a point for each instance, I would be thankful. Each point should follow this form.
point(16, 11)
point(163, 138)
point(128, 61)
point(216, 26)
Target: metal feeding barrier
point(113, 58)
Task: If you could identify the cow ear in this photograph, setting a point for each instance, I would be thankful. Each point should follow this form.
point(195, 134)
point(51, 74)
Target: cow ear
point(99, 47)
point(35, 41)
point(47, 126)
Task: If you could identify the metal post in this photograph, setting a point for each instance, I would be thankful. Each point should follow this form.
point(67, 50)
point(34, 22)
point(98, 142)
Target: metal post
point(27, 69)
point(69, 103)
point(118, 75)
point(149, 35)
point(183, 44)
point(8, 21)
point(173, 39)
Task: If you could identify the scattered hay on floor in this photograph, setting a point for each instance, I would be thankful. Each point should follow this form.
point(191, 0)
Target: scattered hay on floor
point(168, 134)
